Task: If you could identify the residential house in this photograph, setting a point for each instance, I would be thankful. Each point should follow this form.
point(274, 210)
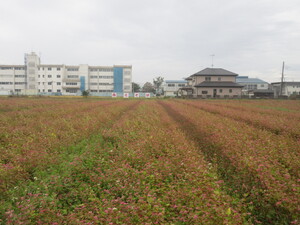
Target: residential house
point(214, 83)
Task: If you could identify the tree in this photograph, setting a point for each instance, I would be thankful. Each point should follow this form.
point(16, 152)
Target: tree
point(136, 87)
point(148, 87)
point(157, 85)
point(85, 93)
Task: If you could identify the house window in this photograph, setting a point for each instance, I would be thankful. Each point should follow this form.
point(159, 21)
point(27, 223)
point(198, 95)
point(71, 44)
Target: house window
point(219, 78)
point(207, 78)
point(204, 92)
point(230, 90)
point(221, 90)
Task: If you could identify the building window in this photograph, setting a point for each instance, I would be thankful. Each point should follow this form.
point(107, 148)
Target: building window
point(230, 90)
point(58, 76)
point(204, 92)
point(17, 90)
point(71, 91)
point(43, 76)
point(72, 69)
point(58, 83)
point(58, 90)
point(207, 78)
point(49, 83)
point(49, 68)
point(171, 85)
point(126, 87)
point(49, 76)
point(19, 68)
point(58, 69)
point(39, 76)
point(70, 83)
point(19, 75)
point(73, 76)
point(49, 90)
point(221, 90)
point(93, 77)
point(106, 77)
point(262, 85)
point(219, 78)
point(94, 91)
point(181, 85)
point(20, 83)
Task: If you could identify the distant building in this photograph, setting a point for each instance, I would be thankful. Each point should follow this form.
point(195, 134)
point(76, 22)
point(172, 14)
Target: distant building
point(34, 78)
point(252, 83)
point(213, 83)
point(288, 88)
point(171, 87)
point(255, 87)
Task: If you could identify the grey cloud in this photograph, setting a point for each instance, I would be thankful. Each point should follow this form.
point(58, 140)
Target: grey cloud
point(168, 37)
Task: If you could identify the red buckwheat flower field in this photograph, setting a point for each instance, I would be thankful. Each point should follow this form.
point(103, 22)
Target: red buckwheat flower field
point(149, 161)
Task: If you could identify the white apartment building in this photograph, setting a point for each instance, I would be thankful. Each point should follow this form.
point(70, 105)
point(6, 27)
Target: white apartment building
point(34, 78)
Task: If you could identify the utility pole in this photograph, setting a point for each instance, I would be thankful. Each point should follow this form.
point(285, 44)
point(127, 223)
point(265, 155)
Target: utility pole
point(282, 75)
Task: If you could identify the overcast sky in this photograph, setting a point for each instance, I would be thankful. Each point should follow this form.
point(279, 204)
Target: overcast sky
point(169, 38)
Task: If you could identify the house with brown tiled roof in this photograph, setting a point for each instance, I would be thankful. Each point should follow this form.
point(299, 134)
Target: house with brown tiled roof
point(213, 83)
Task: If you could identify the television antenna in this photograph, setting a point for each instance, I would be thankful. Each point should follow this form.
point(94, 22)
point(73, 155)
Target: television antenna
point(212, 60)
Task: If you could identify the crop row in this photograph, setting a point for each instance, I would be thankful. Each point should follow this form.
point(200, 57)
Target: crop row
point(31, 139)
point(258, 166)
point(141, 170)
point(277, 122)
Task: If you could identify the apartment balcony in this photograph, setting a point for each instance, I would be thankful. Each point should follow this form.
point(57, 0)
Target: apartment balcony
point(68, 86)
point(71, 80)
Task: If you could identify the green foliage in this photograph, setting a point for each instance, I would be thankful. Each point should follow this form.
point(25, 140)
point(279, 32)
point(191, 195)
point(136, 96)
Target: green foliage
point(85, 93)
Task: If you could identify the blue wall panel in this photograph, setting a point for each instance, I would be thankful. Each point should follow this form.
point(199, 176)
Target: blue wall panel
point(82, 83)
point(118, 79)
